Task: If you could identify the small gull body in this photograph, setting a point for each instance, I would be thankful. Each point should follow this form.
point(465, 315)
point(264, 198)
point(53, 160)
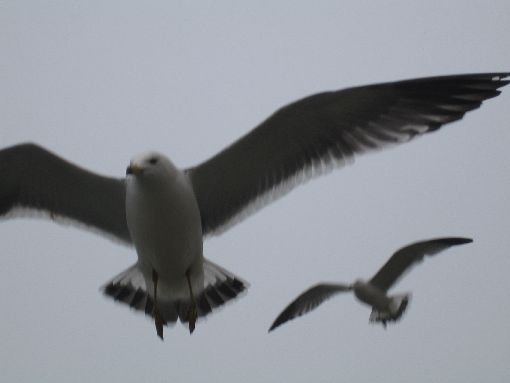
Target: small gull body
point(385, 308)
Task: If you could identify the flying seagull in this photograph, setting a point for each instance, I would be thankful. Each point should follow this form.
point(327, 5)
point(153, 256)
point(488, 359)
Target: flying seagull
point(385, 308)
point(164, 224)
point(306, 138)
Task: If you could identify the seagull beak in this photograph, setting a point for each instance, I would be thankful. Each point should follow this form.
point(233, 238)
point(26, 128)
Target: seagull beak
point(134, 169)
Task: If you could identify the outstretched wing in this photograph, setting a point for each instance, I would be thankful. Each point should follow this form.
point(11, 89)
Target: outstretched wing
point(33, 178)
point(308, 301)
point(312, 135)
point(410, 255)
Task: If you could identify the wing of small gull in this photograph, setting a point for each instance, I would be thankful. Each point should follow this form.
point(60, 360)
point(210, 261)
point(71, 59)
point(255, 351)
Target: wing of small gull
point(310, 136)
point(402, 260)
point(38, 181)
point(308, 301)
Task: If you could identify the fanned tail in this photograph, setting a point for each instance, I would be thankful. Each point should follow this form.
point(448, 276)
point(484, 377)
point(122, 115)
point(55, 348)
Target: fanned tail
point(398, 306)
point(220, 287)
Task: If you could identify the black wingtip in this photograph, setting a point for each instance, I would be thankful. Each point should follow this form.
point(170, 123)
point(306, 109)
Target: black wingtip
point(278, 321)
point(453, 241)
point(273, 326)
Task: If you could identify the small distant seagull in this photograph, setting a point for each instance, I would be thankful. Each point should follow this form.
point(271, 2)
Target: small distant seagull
point(165, 212)
point(385, 308)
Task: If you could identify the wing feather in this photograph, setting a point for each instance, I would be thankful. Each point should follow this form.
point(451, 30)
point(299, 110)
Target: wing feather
point(406, 257)
point(35, 179)
point(311, 136)
point(308, 301)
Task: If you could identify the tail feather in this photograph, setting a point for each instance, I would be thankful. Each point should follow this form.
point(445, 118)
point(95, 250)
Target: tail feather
point(397, 308)
point(220, 286)
point(129, 287)
point(204, 307)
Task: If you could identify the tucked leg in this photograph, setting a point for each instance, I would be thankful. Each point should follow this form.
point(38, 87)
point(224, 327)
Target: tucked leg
point(158, 320)
point(192, 310)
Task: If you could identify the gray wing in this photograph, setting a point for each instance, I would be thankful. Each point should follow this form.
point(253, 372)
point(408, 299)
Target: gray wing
point(313, 135)
point(308, 301)
point(33, 178)
point(410, 255)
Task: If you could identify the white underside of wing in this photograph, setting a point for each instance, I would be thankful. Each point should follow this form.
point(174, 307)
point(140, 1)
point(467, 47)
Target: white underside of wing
point(25, 212)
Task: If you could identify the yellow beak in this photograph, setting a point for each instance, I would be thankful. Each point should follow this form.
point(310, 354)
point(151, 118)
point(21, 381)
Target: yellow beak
point(134, 169)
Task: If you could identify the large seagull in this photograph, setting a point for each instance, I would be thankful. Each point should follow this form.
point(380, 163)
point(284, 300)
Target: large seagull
point(165, 212)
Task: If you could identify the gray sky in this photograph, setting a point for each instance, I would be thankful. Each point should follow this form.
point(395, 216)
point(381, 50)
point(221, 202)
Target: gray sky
point(98, 82)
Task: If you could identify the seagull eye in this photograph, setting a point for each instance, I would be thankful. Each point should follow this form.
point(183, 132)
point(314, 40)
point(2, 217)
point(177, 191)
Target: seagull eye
point(153, 161)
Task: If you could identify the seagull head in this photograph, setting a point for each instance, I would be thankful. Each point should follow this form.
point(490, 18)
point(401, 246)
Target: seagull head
point(149, 165)
point(358, 284)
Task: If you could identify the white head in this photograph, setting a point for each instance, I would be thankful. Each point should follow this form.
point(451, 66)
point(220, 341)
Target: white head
point(359, 283)
point(149, 166)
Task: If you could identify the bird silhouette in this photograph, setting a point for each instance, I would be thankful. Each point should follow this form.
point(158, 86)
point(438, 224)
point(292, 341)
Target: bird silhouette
point(374, 292)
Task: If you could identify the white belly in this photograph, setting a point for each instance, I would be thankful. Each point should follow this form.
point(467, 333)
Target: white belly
point(371, 295)
point(164, 223)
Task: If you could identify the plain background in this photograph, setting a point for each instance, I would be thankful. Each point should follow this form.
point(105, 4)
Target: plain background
point(100, 81)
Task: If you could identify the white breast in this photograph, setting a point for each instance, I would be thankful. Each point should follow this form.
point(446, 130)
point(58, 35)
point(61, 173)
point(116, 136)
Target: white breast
point(371, 295)
point(164, 222)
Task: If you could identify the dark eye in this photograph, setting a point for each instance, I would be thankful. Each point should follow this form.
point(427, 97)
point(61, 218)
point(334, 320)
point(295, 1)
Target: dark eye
point(153, 160)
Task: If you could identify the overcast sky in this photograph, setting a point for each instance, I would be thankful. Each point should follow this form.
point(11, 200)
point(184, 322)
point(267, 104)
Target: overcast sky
point(100, 81)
